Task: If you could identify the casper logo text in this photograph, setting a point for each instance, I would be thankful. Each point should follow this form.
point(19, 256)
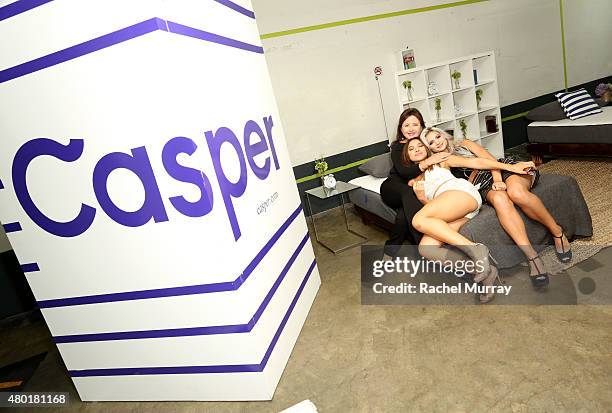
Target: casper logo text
point(255, 142)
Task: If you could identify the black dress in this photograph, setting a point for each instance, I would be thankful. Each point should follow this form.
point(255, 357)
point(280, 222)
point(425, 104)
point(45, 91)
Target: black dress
point(396, 193)
point(484, 177)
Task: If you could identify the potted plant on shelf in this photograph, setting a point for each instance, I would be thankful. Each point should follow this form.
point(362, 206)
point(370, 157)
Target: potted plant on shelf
point(438, 108)
point(456, 76)
point(463, 127)
point(478, 98)
point(408, 86)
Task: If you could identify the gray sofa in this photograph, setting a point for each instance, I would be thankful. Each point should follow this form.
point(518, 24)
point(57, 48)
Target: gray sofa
point(560, 194)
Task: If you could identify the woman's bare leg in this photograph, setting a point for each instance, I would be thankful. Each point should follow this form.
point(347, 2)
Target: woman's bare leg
point(514, 226)
point(518, 188)
point(433, 219)
point(447, 207)
point(434, 250)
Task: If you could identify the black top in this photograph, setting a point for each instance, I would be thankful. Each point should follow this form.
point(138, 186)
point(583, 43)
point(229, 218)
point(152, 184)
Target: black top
point(461, 171)
point(399, 170)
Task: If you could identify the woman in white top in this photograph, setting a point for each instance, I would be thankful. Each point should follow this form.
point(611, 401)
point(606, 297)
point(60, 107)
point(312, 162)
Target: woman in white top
point(504, 190)
point(449, 202)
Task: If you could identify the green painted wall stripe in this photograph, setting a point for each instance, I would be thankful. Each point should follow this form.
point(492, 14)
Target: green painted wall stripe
point(563, 44)
point(333, 170)
point(518, 115)
point(368, 18)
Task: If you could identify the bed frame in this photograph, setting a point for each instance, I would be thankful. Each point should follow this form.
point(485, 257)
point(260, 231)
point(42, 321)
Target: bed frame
point(539, 150)
point(371, 219)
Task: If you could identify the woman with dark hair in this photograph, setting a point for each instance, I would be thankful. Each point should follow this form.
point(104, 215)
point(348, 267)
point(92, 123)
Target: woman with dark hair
point(395, 191)
point(449, 202)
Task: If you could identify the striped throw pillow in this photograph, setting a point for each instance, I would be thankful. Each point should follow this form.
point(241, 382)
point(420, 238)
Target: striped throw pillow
point(577, 104)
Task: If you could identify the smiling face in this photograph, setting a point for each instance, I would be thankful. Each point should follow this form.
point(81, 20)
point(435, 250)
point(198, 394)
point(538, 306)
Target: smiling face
point(411, 128)
point(417, 151)
point(436, 142)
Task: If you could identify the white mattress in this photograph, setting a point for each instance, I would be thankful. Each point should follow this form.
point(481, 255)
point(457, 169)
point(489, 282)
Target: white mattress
point(603, 118)
point(368, 182)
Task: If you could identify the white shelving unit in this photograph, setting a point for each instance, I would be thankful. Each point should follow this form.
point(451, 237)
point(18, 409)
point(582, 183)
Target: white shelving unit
point(464, 96)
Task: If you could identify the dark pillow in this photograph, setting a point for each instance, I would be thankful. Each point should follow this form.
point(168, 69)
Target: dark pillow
point(548, 112)
point(602, 102)
point(379, 166)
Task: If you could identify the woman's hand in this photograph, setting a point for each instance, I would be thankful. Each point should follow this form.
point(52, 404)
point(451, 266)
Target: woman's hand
point(419, 190)
point(522, 168)
point(499, 186)
point(434, 159)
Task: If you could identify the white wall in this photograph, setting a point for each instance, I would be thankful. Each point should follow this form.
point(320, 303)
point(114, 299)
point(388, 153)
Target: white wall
point(588, 40)
point(323, 80)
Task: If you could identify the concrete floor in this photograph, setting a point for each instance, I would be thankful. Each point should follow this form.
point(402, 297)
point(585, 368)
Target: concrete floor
point(353, 357)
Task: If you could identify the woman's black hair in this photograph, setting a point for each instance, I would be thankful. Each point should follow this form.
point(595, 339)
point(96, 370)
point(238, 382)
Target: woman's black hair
point(405, 114)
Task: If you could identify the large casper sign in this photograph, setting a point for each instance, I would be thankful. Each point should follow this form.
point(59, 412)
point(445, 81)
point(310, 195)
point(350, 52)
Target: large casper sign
point(146, 189)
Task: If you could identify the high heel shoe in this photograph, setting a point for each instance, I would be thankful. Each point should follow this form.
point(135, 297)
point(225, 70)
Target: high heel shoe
point(489, 281)
point(563, 256)
point(540, 279)
point(480, 253)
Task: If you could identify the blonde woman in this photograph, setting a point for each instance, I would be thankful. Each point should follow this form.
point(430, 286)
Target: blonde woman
point(503, 190)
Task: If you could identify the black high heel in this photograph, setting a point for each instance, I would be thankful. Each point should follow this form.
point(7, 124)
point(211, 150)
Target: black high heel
point(564, 256)
point(541, 278)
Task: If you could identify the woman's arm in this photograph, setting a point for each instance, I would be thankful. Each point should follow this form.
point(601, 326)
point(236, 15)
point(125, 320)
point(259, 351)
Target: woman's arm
point(406, 172)
point(418, 186)
point(481, 163)
point(481, 152)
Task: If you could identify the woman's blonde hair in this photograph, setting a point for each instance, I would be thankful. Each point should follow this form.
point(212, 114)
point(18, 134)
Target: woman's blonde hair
point(449, 138)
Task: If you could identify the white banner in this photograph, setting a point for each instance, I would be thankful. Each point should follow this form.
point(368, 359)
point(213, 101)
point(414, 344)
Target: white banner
point(148, 194)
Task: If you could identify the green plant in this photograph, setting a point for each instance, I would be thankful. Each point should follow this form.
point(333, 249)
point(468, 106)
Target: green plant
point(407, 84)
point(456, 75)
point(438, 104)
point(463, 127)
point(320, 165)
point(479, 93)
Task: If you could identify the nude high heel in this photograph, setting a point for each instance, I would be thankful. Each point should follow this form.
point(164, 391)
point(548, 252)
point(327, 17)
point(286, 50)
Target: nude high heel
point(489, 281)
point(479, 253)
